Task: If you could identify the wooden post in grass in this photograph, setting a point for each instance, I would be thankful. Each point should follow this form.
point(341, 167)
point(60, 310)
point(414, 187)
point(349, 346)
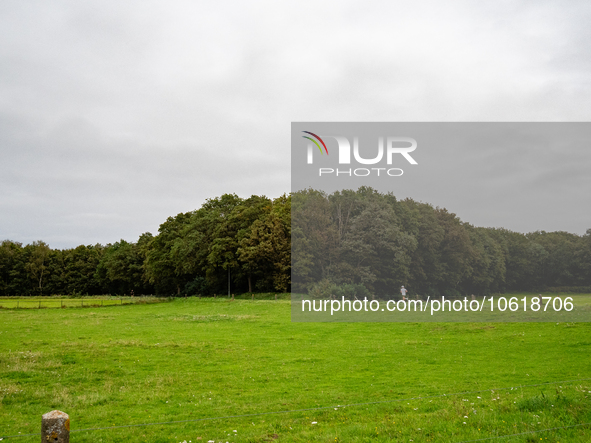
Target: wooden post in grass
point(252, 297)
point(275, 297)
point(55, 427)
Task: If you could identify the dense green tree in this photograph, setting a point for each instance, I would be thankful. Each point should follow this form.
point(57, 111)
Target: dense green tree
point(559, 267)
point(426, 266)
point(163, 266)
point(230, 221)
point(315, 239)
point(364, 237)
point(121, 270)
point(37, 263)
point(524, 260)
point(348, 242)
point(487, 264)
point(72, 271)
point(10, 262)
point(265, 253)
point(197, 251)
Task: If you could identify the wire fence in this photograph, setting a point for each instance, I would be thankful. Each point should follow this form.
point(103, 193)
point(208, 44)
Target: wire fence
point(35, 302)
point(52, 303)
point(351, 405)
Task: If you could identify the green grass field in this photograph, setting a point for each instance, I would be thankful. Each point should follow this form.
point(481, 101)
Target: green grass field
point(203, 358)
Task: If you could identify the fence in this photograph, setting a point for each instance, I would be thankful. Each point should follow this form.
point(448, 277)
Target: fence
point(36, 303)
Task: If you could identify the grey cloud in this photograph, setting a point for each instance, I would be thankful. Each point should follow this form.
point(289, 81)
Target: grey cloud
point(74, 186)
point(115, 115)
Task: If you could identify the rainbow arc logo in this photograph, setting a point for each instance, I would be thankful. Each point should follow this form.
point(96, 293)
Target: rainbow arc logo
point(315, 142)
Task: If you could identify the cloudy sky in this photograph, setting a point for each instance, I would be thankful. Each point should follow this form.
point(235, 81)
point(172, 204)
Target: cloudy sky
point(116, 115)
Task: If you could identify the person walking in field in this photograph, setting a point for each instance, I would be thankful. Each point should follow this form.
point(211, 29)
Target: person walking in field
point(403, 291)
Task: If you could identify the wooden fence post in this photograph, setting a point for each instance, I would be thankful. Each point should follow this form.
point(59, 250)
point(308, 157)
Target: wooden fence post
point(55, 427)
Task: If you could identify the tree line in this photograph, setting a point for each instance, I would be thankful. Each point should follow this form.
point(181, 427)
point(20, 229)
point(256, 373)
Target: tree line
point(194, 253)
point(346, 242)
point(367, 242)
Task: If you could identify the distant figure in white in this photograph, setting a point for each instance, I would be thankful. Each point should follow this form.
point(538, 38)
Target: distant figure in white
point(403, 291)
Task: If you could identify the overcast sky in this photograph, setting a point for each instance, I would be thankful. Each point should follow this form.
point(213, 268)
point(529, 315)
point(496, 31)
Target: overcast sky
point(116, 115)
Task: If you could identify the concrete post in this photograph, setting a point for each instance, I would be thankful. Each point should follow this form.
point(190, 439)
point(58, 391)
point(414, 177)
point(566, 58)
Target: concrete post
point(55, 427)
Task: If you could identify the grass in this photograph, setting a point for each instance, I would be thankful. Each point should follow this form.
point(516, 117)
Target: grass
point(200, 358)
